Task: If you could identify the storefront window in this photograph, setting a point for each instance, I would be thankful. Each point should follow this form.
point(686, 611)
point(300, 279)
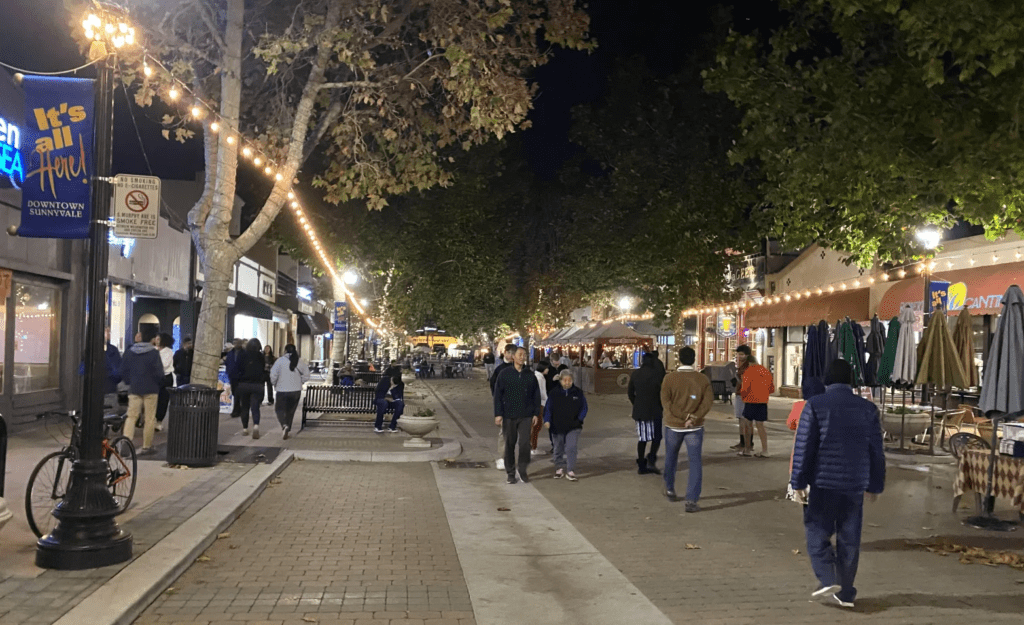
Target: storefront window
point(794, 356)
point(36, 338)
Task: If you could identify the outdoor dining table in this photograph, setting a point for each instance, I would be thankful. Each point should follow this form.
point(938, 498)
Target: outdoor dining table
point(972, 473)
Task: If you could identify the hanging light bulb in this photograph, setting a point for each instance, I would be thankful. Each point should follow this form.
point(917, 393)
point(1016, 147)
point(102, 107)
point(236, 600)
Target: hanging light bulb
point(197, 112)
point(995, 258)
point(246, 151)
point(819, 291)
point(231, 139)
point(173, 93)
point(902, 273)
point(146, 69)
point(807, 293)
point(831, 289)
point(267, 170)
point(885, 277)
point(797, 295)
point(291, 195)
point(257, 161)
point(949, 263)
point(214, 127)
point(856, 283)
point(843, 286)
point(973, 261)
point(278, 177)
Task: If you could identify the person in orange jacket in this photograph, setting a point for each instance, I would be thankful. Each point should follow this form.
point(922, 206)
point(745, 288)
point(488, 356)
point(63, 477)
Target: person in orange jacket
point(758, 385)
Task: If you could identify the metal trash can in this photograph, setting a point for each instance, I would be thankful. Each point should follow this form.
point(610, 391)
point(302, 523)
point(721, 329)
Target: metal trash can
point(193, 414)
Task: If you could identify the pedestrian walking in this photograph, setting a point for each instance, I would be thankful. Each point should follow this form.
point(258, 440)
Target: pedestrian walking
point(164, 343)
point(758, 385)
point(143, 372)
point(268, 358)
point(506, 361)
point(564, 412)
point(489, 363)
point(252, 369)
point(287, 375)
point(232, 368)
point(390, 384)
point(686, 398)
point(541, 373)
point(838, 453)
point(743, 358)
point(517, 409)
point(644, 392)
point(183, 362)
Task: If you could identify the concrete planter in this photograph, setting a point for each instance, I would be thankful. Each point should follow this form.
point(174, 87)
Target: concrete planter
point(915, 424)
point(417, 428)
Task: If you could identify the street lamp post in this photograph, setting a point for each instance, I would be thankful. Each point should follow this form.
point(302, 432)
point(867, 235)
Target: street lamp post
point(86, 535)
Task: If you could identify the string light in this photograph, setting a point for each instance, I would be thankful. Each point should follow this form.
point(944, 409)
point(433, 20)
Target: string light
point(197, 112)
point(902, 273)
point(247, 151)
point(173, 93)
point(214, 127)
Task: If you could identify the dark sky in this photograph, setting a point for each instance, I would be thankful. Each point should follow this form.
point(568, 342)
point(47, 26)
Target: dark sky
point(665, 32)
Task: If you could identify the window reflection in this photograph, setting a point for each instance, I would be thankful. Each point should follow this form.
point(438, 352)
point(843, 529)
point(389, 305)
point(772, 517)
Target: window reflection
point(36, 338)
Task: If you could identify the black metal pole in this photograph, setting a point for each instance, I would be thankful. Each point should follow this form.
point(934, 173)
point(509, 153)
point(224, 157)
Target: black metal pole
point(348, 326)
point(86, 535)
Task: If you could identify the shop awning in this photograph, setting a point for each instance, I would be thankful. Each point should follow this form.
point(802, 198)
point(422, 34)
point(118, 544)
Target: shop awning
point(981, 291)
point(808, 310)
point(280, 314)
point(251, 307)
point(308, 324)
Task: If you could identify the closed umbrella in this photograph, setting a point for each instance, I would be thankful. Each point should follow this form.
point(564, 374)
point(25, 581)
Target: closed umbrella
point(860, 349)
point(940, 361)
point(964, 341)
point(848, 351)
point(904, 368)
point(888, 359)
point(1004, 370)
point(875, 347)
point(812, 382)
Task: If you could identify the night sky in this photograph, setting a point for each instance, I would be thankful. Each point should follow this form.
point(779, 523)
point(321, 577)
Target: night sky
point(666, 33)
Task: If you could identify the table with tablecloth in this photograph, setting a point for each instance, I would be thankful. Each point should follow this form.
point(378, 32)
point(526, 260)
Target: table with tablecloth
point(972, 475)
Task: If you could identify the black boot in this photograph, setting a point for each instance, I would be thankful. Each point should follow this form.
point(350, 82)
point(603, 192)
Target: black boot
point(641, 466)
point(651, 466)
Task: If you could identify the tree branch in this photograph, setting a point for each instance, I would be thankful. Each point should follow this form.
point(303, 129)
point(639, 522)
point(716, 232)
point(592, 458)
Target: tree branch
point(300, 130)
point(330, 116)
point(351, 84)
point(210, 24)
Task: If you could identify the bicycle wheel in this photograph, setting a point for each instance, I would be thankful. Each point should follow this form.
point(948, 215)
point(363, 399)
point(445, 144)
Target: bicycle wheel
point(122, 465)
point(46, 487)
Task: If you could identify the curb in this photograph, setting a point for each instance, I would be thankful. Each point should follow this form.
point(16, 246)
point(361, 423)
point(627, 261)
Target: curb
point(126, 596)
point(450, 448)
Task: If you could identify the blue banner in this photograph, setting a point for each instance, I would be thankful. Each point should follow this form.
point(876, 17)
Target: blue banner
point(56, 150)
point(340, 317)
point(939, 294)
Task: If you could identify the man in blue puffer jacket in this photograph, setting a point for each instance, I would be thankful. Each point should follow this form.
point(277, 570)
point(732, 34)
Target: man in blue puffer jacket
point(838, 453)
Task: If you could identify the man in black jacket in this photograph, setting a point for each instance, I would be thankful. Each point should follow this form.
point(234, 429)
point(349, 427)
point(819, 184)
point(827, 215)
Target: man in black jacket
point(183, 362)
point(644, 393)
point(516, 410)
point(506, 361)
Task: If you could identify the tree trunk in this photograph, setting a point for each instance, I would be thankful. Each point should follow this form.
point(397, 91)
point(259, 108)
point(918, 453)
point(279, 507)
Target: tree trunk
point(209, 341)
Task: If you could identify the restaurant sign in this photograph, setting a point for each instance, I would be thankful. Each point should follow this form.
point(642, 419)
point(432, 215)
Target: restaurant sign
point(727, 326)
point(627, 341)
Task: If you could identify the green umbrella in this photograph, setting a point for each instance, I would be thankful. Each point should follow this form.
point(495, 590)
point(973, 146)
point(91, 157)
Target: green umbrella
point(848, 351)
point(963, 339)
point(939, 360)
point(889, 354)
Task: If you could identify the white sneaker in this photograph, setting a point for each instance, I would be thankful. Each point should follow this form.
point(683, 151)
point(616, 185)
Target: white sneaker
point(245, 431)
point(255, 431)
point(159, 427)
point(826, 590)
point(843, 604)
point(500, 464)
point(535, 452)
point(285, 434)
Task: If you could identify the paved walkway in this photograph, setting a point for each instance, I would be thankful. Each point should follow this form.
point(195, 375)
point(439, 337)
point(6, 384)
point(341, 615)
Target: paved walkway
point(330, 543)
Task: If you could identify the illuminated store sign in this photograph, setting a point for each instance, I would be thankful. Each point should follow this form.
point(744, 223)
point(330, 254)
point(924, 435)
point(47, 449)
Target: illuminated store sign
point(11, 168)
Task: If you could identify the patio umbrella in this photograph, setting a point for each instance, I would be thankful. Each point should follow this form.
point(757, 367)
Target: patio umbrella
point(940, 361)
point(904, 368)
point(1004, 370)
point(833, 345)
point(875, 347)
point(963, 339)
point(850, 351)
point(812, 382)
point(888, 358)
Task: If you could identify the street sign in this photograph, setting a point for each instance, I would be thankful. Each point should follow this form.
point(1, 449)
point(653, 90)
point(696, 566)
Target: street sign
point(136, 206)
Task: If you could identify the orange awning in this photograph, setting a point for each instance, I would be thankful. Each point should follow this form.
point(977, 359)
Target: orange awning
point(980, 289)
point(810, 310)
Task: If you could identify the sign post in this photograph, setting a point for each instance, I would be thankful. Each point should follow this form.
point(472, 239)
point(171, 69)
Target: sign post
point(136, 206)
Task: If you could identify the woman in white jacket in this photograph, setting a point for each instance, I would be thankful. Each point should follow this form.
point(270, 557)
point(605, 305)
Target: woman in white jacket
point(288, 375)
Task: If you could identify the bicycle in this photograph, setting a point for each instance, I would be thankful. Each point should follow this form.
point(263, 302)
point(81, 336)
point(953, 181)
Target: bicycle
point(50, 478)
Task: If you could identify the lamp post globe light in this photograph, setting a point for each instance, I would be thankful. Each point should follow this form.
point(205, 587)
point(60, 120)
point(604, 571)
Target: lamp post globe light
point(625, 303)
point(86, 535)
point(350, 277)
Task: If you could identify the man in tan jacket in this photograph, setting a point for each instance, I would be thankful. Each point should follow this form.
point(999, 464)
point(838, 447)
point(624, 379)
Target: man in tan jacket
point(685, 399)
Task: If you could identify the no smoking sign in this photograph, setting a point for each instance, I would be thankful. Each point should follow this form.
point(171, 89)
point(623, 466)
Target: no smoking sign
point(136, 206)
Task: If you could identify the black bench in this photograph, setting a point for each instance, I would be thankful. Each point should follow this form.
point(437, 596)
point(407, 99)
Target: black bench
point(339, 399)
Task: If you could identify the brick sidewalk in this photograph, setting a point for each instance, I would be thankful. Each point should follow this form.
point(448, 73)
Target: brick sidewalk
point(330, 543)
point(45, 598)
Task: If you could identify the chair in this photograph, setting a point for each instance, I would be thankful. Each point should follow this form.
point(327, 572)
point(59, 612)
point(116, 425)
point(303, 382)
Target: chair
point(962, 441)
point(953, 419)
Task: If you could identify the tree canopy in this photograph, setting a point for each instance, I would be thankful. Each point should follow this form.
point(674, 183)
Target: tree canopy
point(869, 119)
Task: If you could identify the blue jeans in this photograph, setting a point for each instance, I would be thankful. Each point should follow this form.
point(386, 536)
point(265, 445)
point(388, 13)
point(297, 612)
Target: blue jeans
point(382, 407)
point(694, 444)
point(828, 513)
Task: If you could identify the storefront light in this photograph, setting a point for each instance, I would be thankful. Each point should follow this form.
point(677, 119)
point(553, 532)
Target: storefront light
point(902, 273)
point(831, 289)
